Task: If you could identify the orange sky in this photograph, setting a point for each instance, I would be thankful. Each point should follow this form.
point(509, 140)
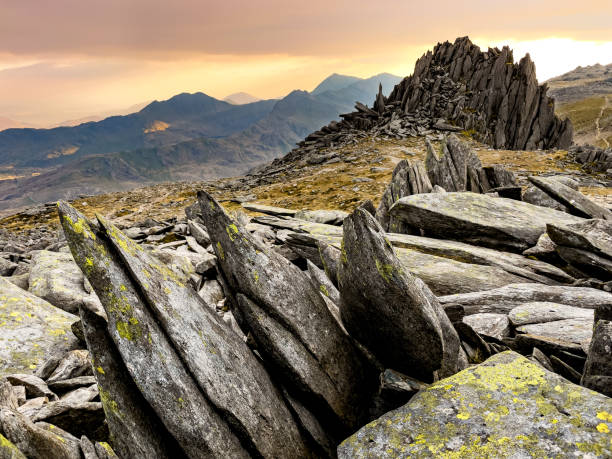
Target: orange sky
point(65, 59)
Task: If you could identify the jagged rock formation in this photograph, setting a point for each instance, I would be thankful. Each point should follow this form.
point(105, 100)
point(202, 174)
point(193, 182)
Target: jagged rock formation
point(457, 87)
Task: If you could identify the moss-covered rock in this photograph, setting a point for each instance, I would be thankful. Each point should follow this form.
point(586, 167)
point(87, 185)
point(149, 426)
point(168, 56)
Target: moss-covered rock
point(30, 330)
point(505, 407)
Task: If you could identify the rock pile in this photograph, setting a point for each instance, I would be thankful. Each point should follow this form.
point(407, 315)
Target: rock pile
point(457, 87)
point(593, 159)
point(319, 334)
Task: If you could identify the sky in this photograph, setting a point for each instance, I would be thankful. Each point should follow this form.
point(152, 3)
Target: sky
point(67, 59)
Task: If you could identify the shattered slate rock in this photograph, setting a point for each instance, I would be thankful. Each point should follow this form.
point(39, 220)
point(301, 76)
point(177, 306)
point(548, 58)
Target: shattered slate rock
point(479, 219)
point(489, 324)
point(504, 407)
point(55, 277)
point(151, 312)
point(455, 167)
point(34, 386)
point(295, 332)
point(387, 310)
point(578, 331)
point(328, 217)
point(598, 368)
point(542, 312)
point(30, 330)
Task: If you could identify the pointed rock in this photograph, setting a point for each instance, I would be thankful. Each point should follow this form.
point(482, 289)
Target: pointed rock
point(275, 298)
point(387, 309)
point(598, 368)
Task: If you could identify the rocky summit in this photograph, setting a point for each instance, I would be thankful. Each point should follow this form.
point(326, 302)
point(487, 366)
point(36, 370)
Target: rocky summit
point(353, 299)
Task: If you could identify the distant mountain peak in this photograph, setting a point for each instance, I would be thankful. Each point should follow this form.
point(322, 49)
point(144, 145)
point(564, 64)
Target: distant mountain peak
point(334, 82)
point(241, 98)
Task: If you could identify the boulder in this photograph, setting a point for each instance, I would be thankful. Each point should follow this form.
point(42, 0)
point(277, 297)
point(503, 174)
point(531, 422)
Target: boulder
point(387, 310)
point(504, 407)
point(577, 331)
point(295, 332)
point(31, 330)
point(504, 299)
point(55, 277)
point(574, 200)
point(478, 219)
point(598, 368)
point(539, 312)
point(7, 267)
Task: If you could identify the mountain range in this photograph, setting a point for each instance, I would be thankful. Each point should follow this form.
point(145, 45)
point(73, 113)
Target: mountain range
point(187, 137)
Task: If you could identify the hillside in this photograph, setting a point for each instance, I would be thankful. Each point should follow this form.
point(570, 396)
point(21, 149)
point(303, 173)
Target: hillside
point(585, 96)
point(192, 137)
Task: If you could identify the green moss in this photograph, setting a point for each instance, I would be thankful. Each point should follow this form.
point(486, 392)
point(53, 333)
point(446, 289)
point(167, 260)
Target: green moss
point(129, 330)
point(385, 270)
point(232, 231)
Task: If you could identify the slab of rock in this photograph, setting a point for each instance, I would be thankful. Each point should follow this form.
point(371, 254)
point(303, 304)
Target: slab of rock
point(72, 383)
point(33, 441)
point(387, 310)
point(504, 299)
point(30, 330)
point(81, 395)
point(270, 210)
point(83, 418)
point(504, 407)
point(278, 300)
point(73, 364)
point(598, 368)
point(55, 277)
point(577, 203)
point(576, 331)
point(149, 356)
point(478, 219)
point(135, 428)
point(539, 312)
point(35, 387)
point(489, 324)
point(328, 217)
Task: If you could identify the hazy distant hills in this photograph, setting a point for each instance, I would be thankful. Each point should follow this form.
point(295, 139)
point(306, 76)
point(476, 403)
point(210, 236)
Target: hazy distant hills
point(241, 98)
point(585, 96)
point(188, 137)
point(7, 123)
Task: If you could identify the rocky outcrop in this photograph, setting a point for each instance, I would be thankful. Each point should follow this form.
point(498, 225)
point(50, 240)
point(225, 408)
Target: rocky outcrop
point(598, 368)
point(488, 411)
point(407, 329)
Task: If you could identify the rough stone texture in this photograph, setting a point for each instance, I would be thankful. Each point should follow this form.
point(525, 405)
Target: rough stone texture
point(8, 450)
point(155, 313)
point(542, 312)
point(455, 167)
point(504, 407)
point(30, 330)
point(577, 203)
point(328, 217)
point(485, 92)
point(578, 331)
point(387, 310)
point(598, 368)
point(534, 195)
point(73, 364)
point(34, 386)
point(489, 324)
point(271, 210)
point(150, 358)
point(408, 178)
point(34, 441)
point(479, 219)
point(504, 299)
point(55, 277)
point(79, 418)
point(290, 322)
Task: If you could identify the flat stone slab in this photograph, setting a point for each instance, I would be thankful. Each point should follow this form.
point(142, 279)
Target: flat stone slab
point(578, 331)
point(504, 407)
point(479, 219)
point(270, 210)
point(31, 329)
point(489, 324)
point(539, 312)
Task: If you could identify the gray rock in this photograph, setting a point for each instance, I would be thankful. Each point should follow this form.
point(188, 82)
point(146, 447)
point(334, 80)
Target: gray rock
point(542, 312)
point(31, 406)
point(56, 278)
point(21, 280)
point(74, 363)
point(578, 331)
point(270, 210)
point(35, 387)
point(72, 383)
point(81, 395)
point(8, 450)
point(104, 451)
point(328, 217)
point(578, 203)
point(598, 368)
point(34, 441)
point(455, 167)
point(7, 267)
point(294, 330)
point(504, 299)
point(514, 407)
point(135, 428)
point(386, 309)
point(199, 233)
point(8, 395)
point(489, 324)
point(479, 219)
point(31, 329)
point(211, 292)
point(87, 448)
point(246, 415)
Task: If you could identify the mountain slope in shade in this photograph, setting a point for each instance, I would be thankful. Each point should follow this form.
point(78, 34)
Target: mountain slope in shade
point(287, 122)
point(241, 98)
